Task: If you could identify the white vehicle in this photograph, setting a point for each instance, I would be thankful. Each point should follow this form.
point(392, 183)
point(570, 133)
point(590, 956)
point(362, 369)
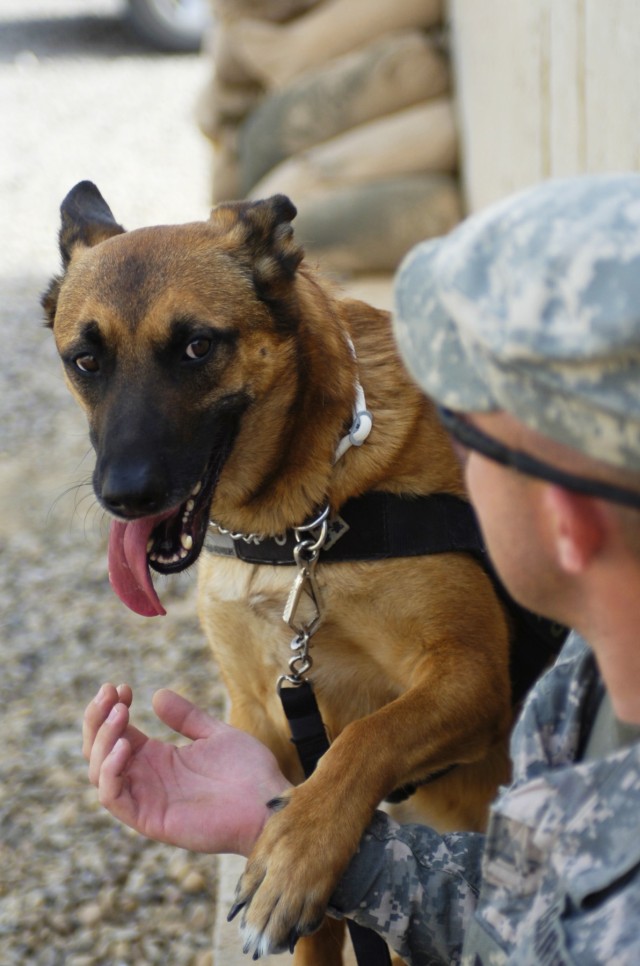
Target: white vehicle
point(170, 24)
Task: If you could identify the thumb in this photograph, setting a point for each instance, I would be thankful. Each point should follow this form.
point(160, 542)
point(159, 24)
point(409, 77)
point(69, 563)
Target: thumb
point(183, 716)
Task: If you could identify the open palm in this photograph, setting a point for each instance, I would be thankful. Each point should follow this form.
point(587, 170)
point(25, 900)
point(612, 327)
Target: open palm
point(209, 796)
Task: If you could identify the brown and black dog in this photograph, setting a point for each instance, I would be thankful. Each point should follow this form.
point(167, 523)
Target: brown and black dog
point(218, 374)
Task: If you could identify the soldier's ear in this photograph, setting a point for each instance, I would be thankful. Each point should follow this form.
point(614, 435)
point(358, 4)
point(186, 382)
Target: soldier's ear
point(85, 220)
point(577, 527)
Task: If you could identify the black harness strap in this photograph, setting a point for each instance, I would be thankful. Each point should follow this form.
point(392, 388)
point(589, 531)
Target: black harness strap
point(310, 738)
point(307, 728)
point(377, 526)
point(382, 525)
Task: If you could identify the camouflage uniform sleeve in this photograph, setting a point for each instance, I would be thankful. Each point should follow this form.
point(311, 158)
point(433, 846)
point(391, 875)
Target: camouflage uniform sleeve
point(415, 887)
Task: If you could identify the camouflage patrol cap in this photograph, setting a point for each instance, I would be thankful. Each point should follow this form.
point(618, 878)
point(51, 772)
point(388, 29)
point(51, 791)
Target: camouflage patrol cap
point(533, 307)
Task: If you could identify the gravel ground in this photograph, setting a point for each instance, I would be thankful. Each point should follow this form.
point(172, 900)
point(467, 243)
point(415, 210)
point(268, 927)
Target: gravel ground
point(79, 99)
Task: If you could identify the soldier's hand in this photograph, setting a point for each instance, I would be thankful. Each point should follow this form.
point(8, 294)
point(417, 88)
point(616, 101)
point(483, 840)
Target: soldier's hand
point(208, 796)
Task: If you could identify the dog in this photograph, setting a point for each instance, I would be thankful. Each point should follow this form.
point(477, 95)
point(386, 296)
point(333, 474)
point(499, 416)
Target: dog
point(220, 373)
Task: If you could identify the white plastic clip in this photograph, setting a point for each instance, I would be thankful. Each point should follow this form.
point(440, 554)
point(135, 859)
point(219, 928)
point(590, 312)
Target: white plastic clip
point(362, 420)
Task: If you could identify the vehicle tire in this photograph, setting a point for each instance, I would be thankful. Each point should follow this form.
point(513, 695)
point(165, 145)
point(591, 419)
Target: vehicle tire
point(171, 25)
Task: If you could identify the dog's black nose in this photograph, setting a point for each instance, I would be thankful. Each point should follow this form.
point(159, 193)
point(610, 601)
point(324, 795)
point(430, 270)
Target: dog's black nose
point(133, 490)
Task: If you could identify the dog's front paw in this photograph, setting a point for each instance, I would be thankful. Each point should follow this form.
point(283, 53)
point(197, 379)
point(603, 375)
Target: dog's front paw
point(290, 875)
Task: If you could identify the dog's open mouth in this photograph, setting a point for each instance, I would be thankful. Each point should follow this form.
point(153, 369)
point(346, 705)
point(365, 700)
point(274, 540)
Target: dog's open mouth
point(172, 540)
point(168, 542)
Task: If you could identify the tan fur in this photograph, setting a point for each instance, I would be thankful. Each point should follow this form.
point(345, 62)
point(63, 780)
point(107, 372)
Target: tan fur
point(410, 664)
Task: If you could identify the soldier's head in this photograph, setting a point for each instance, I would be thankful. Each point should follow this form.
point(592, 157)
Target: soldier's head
point(524, 326)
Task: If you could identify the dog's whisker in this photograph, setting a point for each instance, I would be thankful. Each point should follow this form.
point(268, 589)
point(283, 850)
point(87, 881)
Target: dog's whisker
point(91, 511)
point(88, 453)
point(71, 488)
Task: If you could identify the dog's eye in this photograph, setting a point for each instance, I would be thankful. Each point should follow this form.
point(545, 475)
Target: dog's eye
point(87, 363)
point(197, 349)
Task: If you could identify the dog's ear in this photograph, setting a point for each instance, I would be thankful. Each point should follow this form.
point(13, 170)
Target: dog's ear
point(49, 300)
point(85, 220)
point(262, 232)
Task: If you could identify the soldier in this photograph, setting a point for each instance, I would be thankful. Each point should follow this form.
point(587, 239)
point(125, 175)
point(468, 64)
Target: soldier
point(524, 325)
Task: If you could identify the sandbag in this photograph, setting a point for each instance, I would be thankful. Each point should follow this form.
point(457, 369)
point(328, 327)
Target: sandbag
point(275, 54)
point(418, 139)
point(395, 72)
point(370, 227)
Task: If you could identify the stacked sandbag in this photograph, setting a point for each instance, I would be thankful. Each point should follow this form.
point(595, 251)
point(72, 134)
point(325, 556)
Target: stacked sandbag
point(345, 106)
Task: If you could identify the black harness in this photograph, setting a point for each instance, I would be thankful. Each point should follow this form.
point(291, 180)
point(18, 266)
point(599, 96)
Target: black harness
point(379, 526)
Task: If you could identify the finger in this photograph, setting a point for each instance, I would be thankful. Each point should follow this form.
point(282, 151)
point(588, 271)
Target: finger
point(111, 778)
point(106, 737)
point(125, 694)
point(95, 715)
point(183, 716)
point(135, 737)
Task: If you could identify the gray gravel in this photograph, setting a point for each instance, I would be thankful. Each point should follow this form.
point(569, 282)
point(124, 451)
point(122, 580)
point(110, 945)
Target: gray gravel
point(79, 99)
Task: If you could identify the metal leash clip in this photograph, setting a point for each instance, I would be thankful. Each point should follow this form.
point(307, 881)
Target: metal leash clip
point(310, 539)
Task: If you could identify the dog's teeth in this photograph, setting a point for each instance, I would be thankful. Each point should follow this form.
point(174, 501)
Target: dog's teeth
point(166, 560)
point(150, 546)
point(187, 541)
point(196, 489)
point(190, 505)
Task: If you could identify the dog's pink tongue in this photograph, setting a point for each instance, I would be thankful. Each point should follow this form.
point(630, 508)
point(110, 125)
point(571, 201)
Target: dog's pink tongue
point(129, 568)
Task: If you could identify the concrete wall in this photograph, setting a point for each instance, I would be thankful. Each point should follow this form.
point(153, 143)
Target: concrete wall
point(545, 88)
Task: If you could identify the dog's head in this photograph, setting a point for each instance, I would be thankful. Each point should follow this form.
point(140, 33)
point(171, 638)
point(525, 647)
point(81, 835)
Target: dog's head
point(167, 336)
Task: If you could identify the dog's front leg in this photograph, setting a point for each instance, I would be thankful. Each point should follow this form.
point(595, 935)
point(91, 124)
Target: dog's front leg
point(306, 845)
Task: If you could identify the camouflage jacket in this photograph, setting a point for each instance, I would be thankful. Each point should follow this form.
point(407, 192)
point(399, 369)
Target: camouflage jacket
point(555, 881)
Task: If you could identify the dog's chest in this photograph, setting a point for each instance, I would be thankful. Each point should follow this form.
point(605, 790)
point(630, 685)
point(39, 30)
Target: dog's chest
point(257, 589)
point(241, 608)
